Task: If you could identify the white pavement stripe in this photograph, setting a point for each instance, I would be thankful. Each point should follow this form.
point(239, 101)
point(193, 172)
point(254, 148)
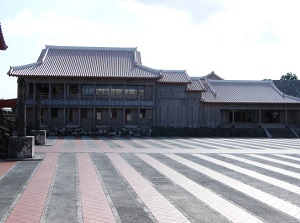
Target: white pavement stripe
point(287, 157)
point(219, 204)
point(160, 207)
point(266, 143)
point(212, 143)
point(275, 160)
point(209, 145)
point(253, 174)
point(264, 166)
point(257, 194)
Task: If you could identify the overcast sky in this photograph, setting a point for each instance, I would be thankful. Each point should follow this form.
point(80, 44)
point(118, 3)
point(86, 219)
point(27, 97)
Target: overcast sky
point(237, 39)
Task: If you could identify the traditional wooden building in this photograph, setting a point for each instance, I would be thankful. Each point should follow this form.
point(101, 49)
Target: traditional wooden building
point(97, 88)
point(248, 104)
point(91, 87)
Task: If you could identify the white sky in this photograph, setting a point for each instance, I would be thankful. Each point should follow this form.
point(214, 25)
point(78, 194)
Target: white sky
point(237, 39)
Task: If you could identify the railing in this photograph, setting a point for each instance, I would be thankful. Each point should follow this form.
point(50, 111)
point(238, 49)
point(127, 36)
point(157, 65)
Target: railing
point(57, 96)
point(87, 97)
point(102, 97)
point(131, 97)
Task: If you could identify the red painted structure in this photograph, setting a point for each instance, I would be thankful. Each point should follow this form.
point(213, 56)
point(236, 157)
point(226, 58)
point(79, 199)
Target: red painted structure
point(3, 46)
point(8, 103)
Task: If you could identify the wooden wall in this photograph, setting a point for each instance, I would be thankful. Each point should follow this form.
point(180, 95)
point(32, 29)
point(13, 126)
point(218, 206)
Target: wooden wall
point(175, 107)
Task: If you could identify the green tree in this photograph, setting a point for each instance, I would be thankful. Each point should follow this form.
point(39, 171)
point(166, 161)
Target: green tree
point(289, 76)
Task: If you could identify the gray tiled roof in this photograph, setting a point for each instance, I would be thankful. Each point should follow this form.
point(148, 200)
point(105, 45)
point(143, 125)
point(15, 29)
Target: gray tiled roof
point(175, 77)
point(196, 85)
point(224, 91)
point(87, 62)
point(213, 76)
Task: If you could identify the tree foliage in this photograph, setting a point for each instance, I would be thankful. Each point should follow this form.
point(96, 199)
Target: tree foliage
point(289, 76)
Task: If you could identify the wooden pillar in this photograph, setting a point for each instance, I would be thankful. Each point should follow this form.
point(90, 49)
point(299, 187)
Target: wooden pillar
point(79, 116)
point(21, 107)
point(286, 117)
point(109, 116)
point(139, 122)
point(259, 117)
point(124, 115)
point(232, 117)
point(65, 92)
point(65, 117)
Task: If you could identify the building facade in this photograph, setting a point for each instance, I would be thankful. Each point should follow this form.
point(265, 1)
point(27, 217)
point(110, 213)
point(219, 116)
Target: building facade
point(92, 88)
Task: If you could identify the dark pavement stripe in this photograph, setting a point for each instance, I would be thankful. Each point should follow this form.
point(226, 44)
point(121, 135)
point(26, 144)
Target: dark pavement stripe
point(110, 143)
point(257, 169)
point(248, 203)
point(63, 203)
point(264, 186)
point(125, 200)
point(274, 164)
point(184, 201)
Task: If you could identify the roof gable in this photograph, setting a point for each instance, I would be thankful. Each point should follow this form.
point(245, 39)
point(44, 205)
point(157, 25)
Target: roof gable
point(213, 76)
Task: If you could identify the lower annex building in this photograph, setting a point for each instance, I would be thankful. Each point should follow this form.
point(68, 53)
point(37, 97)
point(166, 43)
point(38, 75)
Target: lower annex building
point(99, 87)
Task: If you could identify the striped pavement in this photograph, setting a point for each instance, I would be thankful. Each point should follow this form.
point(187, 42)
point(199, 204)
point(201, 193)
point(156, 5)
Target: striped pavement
point(144, 179)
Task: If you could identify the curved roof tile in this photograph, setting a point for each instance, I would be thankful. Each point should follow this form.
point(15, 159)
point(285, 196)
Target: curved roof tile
point(87, 62)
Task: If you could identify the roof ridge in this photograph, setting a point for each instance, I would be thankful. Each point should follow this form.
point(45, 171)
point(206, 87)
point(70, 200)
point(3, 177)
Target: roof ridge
point(173, 71)
point(211, 89)
point(242, 81)
point(133, 49)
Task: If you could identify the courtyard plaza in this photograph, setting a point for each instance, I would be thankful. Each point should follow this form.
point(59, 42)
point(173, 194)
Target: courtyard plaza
point(144, 179)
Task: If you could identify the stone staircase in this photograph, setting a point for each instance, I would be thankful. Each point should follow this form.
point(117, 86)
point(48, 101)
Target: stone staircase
point(282, 133)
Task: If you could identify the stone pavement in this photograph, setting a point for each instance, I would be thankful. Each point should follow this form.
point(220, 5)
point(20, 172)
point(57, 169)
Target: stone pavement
point(113, 179)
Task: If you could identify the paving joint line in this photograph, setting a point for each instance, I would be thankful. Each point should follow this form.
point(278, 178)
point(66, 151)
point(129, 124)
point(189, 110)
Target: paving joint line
point(78, 193)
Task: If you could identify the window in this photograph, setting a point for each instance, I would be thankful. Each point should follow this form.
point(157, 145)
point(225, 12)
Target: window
point(113, 113)
point(128, 115)
point(117, 91)
point(142, 92)
point(57, 91)
point(54, 112)
point(99, 115)
point(131, 92)
point(73, 91)
point(142, 113)
point(87, 91)
point(102, 91)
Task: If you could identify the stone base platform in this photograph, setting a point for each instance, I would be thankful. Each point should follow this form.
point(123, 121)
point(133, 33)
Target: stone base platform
point(21, 147)
point(39, 136)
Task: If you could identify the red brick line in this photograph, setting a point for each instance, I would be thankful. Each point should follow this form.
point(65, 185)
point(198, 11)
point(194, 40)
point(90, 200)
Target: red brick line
point(30, 206)
point(5, 167)
point(79, 144)
point(95, 207)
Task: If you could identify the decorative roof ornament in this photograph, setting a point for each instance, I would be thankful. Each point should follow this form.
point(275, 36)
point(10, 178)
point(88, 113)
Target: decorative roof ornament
point(3, 46)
